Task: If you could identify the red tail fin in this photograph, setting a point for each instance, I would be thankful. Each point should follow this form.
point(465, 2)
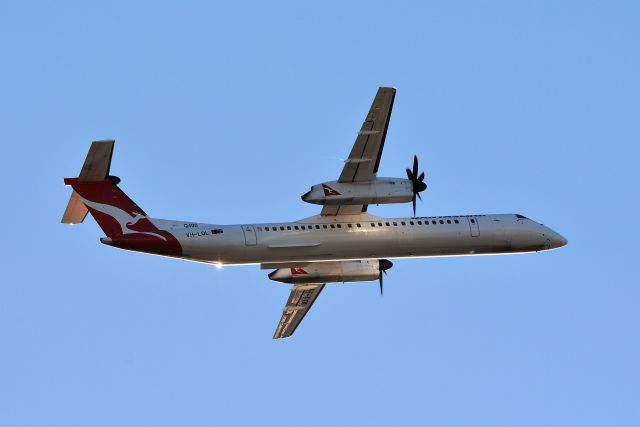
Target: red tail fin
point(113, 210)
point(123, 221)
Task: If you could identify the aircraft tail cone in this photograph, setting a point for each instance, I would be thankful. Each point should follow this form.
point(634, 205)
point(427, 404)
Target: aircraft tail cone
point(106, 241)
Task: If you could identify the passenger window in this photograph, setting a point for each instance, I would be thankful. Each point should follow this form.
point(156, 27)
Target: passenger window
point(350, 225)
point(419, 222)
point(282, 228)
point(433, 222)
point(410, 222)
point(448, 221)
point(324, 226)
point(339, 226)
point(473, 221)
point(373, 224)
point(403, 223)
point(296, 227)
point(317, 227)
point(288, 227)
point(395, 224)
point(441, 221)
point(358, 224)
point(387, 224)
point(266, 229)
point(332, 226)
point(456, 221)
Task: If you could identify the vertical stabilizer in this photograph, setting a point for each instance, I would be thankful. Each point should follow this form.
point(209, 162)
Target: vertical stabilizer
point(126, 225)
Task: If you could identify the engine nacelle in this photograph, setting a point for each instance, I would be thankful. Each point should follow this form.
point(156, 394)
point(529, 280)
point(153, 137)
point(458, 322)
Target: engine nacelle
point(333, 271)
point(378, 191)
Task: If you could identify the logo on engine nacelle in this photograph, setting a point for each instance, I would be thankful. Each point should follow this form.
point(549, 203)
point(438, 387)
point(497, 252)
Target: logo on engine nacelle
point(295, 271)
point(328, 191)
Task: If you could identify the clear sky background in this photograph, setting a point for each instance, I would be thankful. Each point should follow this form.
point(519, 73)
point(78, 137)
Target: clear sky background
point(226, 113)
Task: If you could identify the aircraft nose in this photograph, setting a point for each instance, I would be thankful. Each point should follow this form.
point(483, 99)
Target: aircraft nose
point(563, 241)
point(556, 240)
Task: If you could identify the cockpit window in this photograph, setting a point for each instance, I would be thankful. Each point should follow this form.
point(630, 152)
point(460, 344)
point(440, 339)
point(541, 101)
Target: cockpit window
point(521, 216)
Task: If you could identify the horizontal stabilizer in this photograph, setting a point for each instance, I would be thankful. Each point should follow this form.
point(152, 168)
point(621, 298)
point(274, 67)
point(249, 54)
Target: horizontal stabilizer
point(76, 210)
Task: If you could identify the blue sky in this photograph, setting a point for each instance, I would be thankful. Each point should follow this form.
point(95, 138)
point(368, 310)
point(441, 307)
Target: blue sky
point(227, 113)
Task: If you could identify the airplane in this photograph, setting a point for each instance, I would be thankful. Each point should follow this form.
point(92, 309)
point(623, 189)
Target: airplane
point(344, 243)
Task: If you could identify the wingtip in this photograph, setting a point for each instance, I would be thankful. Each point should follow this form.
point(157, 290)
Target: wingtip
point(280, 337)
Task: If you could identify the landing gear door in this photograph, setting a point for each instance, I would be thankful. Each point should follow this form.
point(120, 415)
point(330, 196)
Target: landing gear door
point(473, 225)
point(250, 238)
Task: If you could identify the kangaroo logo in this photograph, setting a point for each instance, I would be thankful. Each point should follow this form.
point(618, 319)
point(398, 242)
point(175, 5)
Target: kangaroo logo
point(129, 224)
point(328, 191)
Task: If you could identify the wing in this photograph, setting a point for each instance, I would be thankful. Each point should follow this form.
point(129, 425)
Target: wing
point(364, 159)
point(300, 301)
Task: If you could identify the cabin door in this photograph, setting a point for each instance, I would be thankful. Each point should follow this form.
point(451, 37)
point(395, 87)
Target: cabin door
point(250, 238)
point(473, 225)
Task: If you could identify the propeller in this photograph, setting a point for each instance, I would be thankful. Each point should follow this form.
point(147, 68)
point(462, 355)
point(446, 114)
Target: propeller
point(385, 264)
point(417, 181)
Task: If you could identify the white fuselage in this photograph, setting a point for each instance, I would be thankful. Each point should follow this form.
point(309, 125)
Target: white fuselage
point(359, 237)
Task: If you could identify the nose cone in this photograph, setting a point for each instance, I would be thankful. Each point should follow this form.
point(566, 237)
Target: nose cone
point(556, 240)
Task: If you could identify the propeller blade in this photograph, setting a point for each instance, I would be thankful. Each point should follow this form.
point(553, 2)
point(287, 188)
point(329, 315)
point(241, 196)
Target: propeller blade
point(381, 283)
point(421, 177)
point(419, 197)
point(409, 176)
point(415, 166)
point(413, 201)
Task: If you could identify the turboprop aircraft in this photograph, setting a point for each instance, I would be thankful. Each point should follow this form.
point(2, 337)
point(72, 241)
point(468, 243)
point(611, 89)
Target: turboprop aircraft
point(344, 243)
